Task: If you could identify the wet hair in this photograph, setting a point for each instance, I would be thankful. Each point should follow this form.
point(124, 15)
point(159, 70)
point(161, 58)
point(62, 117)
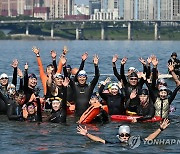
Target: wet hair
point(133, 74)
point(30, 103)
point(143, 92)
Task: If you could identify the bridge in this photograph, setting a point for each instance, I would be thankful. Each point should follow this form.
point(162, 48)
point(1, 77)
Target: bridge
point(79, 24)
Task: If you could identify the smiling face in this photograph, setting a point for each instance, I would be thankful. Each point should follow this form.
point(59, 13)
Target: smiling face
point(4, 81)
point(133, 81)
point(58, 81)
point(114, 91)
point(82, 79)
point(31, 109)
point(163, 94)
point(32, 82)
point(50, 69)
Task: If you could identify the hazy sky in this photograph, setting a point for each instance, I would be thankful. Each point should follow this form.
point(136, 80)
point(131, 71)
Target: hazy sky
point(82, 1)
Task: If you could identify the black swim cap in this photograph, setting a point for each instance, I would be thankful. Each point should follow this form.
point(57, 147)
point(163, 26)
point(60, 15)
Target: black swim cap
point(143, 92)
point(174, 54)
point(133, 74)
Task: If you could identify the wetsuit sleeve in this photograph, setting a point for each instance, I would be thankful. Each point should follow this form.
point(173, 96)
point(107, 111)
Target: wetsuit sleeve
point(116, 72)
point(103, 96)
point(81, 67)
point(65, 71)
point(154, 77)
point(5, 99)
point(25, 80)
point(39, 114)
point(173, 95)
point(95, 79)
point(148, 72)
point(141, 82)
point(123, 77)
point(14, 79)
point(64, 101)
point(55, 65)
point(10, 114)
point(21, 84)
point(151, 93)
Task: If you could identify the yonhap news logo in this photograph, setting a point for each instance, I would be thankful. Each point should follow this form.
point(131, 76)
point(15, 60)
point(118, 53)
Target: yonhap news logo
point(136, 141)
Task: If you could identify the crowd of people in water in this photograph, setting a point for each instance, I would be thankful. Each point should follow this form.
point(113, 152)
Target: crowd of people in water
point(66, 91)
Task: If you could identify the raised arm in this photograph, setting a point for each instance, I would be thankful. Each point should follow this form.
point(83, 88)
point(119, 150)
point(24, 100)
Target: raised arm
point(175, 77)
point(123, 77)
point(14, 65)
point(173, 95)
point(20, 74)
point(162, 127)
point(84, 132)
point(25, 77)
point(96, 77)
point(155, 72)
point(117, 75)
point(53, 56)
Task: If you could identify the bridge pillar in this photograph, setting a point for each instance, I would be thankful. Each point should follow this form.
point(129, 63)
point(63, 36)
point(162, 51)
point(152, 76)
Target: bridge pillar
point(52, 30)
point(129, 30)
point(77, 32)
point(102, 31)
point(156, 31)
point(27, 29)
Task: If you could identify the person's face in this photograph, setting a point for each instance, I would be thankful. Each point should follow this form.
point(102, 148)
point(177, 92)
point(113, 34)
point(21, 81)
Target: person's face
point(163, 94)
point(50, 70)
point(11, 91)
point(124, 137)
point(68, 70)
point(143, 99)
point(174, 57)
point(133, 81)
point(32, 82)
point(31, 109)
point(93, 100)
point(55, 105)
point(114, 91)
point(4, 81)
point(82, 80)
point(58, 81)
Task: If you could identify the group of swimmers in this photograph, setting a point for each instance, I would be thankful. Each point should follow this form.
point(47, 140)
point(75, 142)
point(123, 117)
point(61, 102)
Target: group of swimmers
point(64, 87)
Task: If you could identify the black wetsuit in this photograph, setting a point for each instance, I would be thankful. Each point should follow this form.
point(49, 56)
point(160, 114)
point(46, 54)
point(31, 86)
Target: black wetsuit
point(177, 65)
point(147, 112)
point(82, 93)
point(60, 115)
point(14, 111)
point(115, 103)
point(27, 91)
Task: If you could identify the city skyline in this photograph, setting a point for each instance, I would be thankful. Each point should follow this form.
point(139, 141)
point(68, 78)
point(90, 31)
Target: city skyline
point(82, 2)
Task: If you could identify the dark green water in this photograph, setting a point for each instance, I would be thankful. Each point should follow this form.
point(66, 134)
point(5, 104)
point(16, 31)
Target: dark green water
point(22, 137)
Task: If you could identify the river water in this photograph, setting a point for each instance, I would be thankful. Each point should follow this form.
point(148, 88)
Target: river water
point(22, 137)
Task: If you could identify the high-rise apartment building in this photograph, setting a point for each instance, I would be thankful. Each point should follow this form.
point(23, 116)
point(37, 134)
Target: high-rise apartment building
point(94, 5)
point(129, 9)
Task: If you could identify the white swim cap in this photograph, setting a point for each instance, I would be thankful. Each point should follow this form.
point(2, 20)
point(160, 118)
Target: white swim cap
point(124, 129)
point(3, 75)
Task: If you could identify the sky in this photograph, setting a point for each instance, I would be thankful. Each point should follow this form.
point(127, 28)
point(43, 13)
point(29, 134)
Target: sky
point(82, 1)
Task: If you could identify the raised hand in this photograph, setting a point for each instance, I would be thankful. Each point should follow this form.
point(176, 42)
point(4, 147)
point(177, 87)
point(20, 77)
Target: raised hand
point(35, 50)
point(115, 58)
point(15, 63)
point(81, 130)
point(19, 73)
point(171, 67)
point(124, 60)
point(149, 60)
point(84, 56)
point(133, 94)
point(53, 54)
point(26, 66)
point(165, 124)
point(120, 85)
point(154, 60)
point(66, 82)
point(108, 79)
point(142, 61)
point(96, 59)
point(63, 59)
